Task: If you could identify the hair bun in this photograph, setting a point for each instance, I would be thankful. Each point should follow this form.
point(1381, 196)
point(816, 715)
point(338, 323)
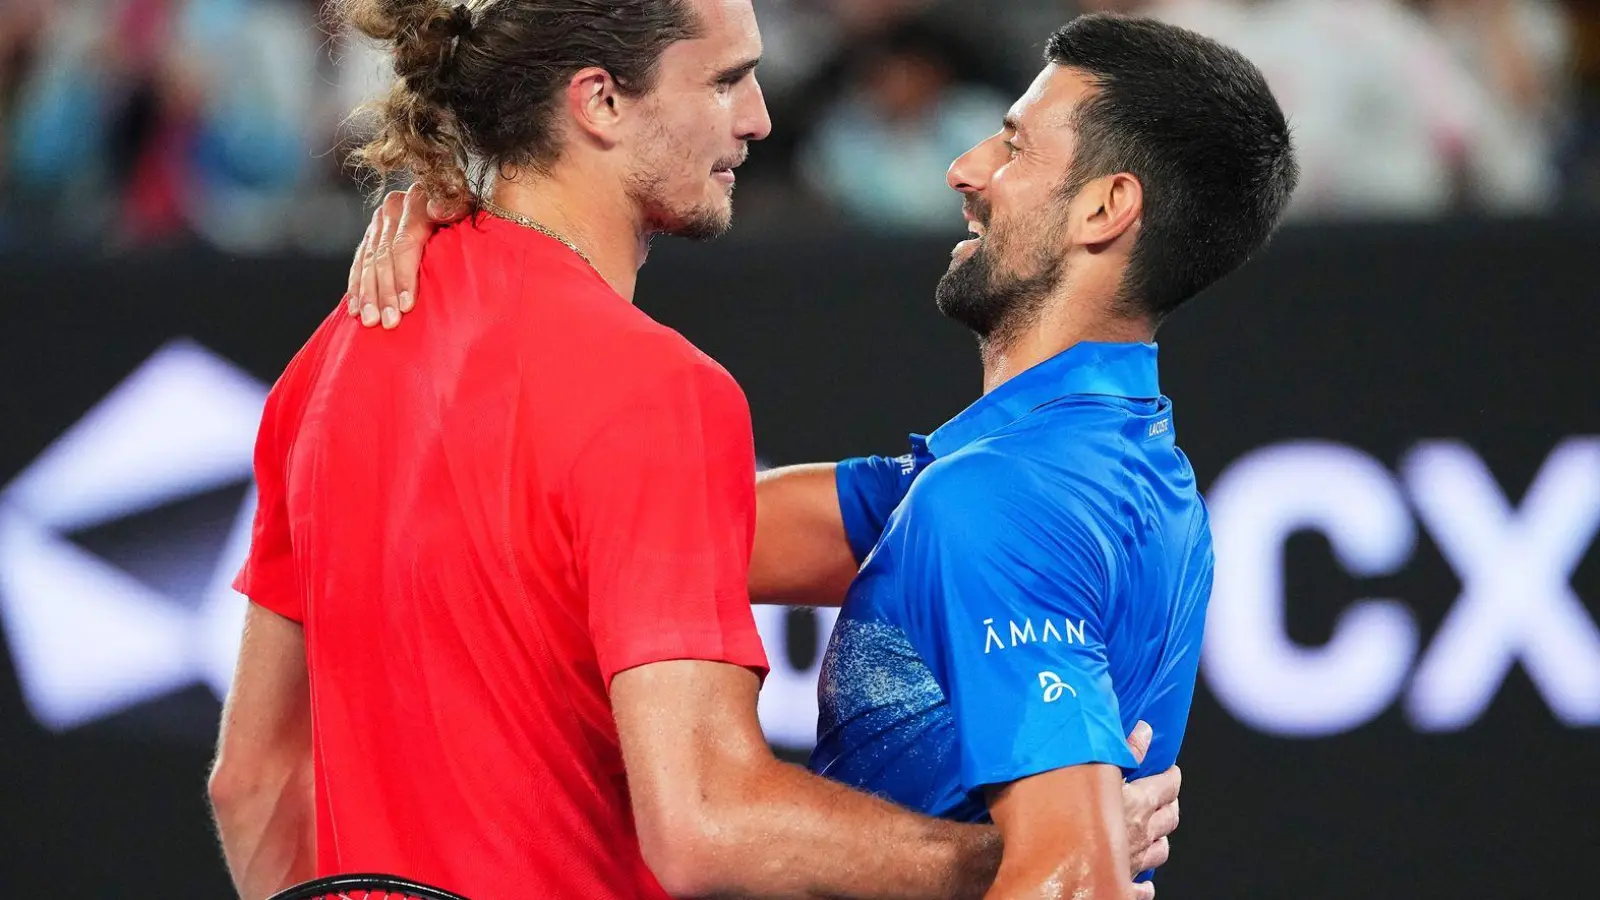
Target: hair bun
point(460, 24)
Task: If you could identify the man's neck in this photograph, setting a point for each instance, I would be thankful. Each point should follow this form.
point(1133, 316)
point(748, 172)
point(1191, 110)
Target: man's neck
point(1062, 325)
point(606, 228)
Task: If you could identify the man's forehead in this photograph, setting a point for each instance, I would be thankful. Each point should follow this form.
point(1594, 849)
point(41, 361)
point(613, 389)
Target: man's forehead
point(1050, 101)
point(728, 38)
point(729, 22)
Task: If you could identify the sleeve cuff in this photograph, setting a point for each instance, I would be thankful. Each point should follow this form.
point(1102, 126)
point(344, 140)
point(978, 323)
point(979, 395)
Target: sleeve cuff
point(283, 601)
point(978, 775)
point(850, 478)
point(705, 646)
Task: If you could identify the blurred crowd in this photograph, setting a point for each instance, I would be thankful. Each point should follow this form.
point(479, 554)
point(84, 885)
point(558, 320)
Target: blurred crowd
point(145, 123)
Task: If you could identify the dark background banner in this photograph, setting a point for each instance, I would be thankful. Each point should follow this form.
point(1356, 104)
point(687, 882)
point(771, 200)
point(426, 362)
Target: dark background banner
point(1404, 414)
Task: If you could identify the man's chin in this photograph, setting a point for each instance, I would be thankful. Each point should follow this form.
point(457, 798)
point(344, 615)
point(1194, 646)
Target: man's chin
point(967, 292)
point(705, 223)
point(702, 229)
point(951, 294)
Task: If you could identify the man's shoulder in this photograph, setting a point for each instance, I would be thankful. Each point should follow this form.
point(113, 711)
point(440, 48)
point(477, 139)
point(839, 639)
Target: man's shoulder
point(986, 487)
point(1018, 493)
point(653, 349)
point(974, 472)
point(636, 374)
point(647, 357)
point(1005, 469)
point(1094, 444)
point(301, 373)
point(594, 321)
point(590, 336)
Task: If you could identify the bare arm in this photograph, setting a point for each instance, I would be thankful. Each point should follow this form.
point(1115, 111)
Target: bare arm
point(801, 553)
point(261, 785)
point(718, 814)
point(1063, 836)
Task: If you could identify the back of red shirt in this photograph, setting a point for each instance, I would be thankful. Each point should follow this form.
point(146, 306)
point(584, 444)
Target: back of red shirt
point(479, 519)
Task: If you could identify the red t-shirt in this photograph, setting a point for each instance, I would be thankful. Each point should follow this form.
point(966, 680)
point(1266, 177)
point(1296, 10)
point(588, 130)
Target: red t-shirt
point(480, 519)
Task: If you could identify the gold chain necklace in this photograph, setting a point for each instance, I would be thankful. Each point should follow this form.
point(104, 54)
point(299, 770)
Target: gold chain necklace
point(525, 222)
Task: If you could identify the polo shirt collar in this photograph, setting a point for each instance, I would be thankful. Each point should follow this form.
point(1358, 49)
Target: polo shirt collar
point(1090, 368)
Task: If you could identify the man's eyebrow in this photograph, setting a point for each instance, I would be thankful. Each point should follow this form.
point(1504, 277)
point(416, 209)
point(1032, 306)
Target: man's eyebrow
point(738, 72)
point(1013, 123)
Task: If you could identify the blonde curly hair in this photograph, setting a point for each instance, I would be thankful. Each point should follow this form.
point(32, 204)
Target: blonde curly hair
point(480, 87)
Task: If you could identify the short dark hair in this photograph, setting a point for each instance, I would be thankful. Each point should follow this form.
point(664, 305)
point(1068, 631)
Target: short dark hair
point(485, 86)
point(1195, 122)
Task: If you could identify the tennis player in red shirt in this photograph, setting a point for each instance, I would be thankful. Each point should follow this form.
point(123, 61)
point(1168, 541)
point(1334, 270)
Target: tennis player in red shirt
point(499, 636)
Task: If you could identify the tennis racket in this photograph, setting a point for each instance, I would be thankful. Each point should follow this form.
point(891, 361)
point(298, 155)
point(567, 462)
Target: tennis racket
point(364, 887)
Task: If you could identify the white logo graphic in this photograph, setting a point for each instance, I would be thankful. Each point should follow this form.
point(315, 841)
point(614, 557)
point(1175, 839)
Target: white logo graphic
point(1053, 686)
point(1160, 428)
point(1514, 564)
point(88, 639)
point(1025, 634)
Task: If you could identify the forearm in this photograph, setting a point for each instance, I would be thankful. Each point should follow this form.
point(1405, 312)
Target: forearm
point(791, 834)
point(268, 828)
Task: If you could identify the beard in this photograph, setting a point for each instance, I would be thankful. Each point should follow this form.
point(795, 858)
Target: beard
point(705, 222)
point(994, 302)
point(697, 222)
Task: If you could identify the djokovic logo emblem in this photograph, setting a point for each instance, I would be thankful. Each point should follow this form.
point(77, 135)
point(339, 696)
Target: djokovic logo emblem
point(1054, 686)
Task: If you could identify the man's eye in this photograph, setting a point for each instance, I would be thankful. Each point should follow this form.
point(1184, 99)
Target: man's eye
point(1012, 148)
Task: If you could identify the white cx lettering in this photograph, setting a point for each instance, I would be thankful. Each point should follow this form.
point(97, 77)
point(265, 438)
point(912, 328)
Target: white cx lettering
point(1516, 602)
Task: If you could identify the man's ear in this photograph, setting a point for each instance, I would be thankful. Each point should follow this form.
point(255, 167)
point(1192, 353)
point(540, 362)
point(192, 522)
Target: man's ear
point(595, 105)
point(1114, 204)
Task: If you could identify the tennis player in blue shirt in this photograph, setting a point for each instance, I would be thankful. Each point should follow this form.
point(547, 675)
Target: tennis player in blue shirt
point(1034, 574)
point(1038, 575)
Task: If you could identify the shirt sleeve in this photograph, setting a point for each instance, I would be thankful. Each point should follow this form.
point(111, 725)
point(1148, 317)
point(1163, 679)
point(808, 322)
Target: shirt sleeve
point(1016, 574)
point(662, 501)
point(870, 487)
point(268, 575)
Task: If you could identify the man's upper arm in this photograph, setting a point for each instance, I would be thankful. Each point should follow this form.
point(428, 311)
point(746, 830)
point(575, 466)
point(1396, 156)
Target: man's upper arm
point(268, 710)
point(802, 555)
point(1016, 574)
point(681, 723)
point(662, 504)
point(1064, 829)
point(817, 524)
point(870, 487)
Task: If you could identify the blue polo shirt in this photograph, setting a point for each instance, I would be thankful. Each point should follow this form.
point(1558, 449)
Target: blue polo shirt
point(1035, 581)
